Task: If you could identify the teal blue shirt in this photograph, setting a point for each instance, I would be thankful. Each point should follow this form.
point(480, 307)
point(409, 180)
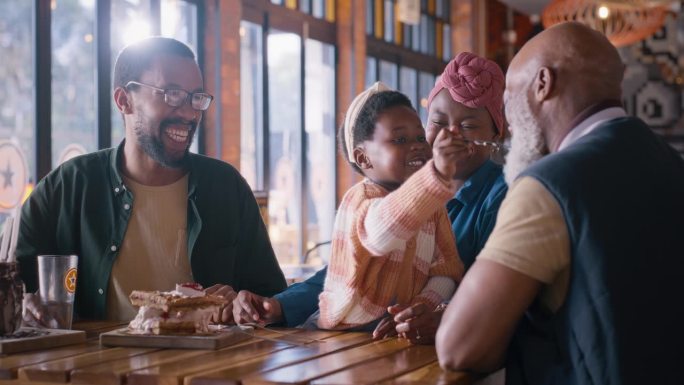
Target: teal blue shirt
point(83, 207)
point(472, 211)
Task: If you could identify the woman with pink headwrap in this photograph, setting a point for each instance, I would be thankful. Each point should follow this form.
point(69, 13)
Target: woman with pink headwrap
point(468, 101)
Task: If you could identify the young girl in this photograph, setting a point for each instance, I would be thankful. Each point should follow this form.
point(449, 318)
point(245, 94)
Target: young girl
point(392, 241)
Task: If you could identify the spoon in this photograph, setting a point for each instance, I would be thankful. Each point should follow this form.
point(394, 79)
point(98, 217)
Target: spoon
point(485, 143)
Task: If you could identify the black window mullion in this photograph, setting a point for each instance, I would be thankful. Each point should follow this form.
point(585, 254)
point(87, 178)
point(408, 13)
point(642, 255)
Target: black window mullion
point(103, 73)
point(42, 94)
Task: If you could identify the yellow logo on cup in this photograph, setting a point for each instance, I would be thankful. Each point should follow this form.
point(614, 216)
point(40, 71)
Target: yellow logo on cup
point(70, 280)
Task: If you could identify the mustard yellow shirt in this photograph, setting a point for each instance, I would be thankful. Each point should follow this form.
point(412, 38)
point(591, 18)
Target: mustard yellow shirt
point(154, 253)
point(531, 237)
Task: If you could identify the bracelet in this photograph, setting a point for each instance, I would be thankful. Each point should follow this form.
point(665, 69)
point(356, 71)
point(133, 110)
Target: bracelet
point(441, 307)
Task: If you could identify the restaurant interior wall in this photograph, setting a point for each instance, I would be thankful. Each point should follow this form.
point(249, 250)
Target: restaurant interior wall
point(653, 85)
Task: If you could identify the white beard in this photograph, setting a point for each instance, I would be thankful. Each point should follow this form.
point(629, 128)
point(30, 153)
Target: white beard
point(527, 141)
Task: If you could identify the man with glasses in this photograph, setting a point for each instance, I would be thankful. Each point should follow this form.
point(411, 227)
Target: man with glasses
point(149, 214)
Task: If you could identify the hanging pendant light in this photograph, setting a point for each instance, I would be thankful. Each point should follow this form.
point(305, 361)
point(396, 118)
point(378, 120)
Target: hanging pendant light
point(623, 22)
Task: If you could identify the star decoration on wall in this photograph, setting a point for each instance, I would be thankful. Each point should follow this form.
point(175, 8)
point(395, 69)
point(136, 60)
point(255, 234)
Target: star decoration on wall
point(7, 175)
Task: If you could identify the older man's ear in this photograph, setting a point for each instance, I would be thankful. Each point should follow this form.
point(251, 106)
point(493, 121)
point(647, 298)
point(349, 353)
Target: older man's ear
point(544, 83)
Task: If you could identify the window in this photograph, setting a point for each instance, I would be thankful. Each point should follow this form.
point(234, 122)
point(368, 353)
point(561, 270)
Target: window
point(389, 74)
point(371, 71)
point(430, 36)
point(408, 84)
point(320, 149)
point(131, 20)
point(285, 130)
point(74, 127)
point(17, 138)
point(251, 105)
point(406, 56)
point(320, 9)
point(288, 125)
point(426, 81)
point(416, 85)
point(301, 148)
point(179, 21)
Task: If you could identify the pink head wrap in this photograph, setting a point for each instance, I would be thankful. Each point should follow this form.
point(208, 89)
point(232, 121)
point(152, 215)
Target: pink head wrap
point(474, 82)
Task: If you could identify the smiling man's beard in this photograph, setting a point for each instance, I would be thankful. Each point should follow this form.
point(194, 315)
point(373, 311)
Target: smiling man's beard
point(527, 141)
point(154, 147)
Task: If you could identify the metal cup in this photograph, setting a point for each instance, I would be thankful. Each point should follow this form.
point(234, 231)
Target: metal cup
point(57, 288)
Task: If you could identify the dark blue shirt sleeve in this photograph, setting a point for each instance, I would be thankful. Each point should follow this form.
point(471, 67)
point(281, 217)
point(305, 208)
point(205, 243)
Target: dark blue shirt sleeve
point(300, 300)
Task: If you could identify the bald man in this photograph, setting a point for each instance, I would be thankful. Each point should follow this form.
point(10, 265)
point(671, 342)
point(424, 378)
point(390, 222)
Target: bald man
point(579, 281)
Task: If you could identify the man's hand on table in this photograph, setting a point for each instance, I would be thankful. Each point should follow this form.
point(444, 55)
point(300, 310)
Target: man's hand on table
point(225, 314)
point(252, 308)
point(416, 323)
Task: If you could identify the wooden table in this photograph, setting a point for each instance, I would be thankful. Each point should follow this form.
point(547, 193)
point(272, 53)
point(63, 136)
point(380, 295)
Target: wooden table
point(343, 358)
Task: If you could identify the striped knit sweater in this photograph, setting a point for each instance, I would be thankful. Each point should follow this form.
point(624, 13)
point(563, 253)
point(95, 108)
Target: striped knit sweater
point(390, 248)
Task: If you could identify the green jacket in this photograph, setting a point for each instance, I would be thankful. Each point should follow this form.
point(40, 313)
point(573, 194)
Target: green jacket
point(82, 207)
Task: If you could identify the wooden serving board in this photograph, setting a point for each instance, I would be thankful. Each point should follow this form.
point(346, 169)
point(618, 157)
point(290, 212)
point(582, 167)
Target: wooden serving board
point(52, 338)
point(217, 340)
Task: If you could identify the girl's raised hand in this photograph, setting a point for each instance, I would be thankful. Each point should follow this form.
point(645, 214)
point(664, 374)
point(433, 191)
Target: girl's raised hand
point(446, 151)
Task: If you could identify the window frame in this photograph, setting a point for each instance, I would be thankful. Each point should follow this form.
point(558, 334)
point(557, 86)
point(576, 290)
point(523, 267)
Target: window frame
point(278, 17)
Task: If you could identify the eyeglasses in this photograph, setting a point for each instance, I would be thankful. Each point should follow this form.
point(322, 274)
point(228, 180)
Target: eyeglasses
point(176, 97)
